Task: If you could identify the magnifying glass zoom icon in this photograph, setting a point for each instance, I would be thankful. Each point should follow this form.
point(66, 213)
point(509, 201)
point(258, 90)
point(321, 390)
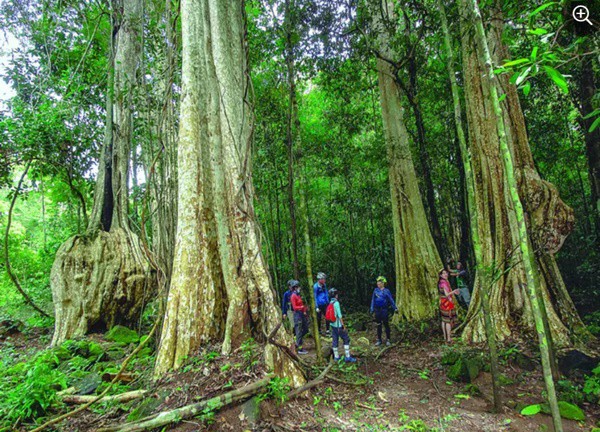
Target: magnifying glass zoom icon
point(581, 14)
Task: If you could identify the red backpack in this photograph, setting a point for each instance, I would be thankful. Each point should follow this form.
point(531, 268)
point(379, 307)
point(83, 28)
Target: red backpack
point(330, 313)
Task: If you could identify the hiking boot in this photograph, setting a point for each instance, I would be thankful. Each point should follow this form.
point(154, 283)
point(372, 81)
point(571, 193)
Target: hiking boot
point(302, 351)
point(388, 343)
point(378, 343)
point(350, 359)
point(336, 359)
point(328, 333)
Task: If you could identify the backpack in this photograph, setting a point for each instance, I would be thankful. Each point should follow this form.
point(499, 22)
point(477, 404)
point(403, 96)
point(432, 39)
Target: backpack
point(330, 313)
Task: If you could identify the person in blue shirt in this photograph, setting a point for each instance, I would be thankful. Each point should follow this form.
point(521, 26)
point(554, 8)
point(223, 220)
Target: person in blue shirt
point(338, 330)
point(321, 300)
point(285, 305)
point(380, 303)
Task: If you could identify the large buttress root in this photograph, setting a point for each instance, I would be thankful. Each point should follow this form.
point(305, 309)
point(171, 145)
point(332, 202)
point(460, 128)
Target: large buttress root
point(98, 282)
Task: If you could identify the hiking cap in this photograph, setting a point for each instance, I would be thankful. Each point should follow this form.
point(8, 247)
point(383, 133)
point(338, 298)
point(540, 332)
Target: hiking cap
point(382, 279)
point(332, 292)
point(321, 275)
point(292, 283)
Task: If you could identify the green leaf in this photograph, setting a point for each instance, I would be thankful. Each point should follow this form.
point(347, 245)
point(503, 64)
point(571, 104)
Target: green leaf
point(541, 8)
point(526, 88)
point(587, 116)
point(523, 75)
point(558, 78)
point(533, 55)
point(462, 396)
point(515, 62)
point(502, 97)
point(537, 32)
point(595, 125)
point(530, 410)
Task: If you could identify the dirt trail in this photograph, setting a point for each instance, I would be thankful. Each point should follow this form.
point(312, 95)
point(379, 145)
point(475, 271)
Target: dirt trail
point(409, 390)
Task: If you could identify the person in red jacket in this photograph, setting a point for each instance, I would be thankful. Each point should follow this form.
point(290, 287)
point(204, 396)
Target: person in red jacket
point(300, 315)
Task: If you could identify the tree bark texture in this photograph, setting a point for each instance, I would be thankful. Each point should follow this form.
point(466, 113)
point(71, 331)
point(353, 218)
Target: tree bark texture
point(220, 289)
point(102, 278)
point(416, 257)
point(471, 207)
point(529, 262)
point(417, 261)
point(549, 219)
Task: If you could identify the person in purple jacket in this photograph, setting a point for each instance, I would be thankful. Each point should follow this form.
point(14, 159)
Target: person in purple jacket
point(381, 302)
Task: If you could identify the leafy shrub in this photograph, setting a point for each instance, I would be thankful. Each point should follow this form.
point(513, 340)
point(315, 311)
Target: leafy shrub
point(591, 387)
point(35, 392)
point(250, 351)
point(593, 322)
point(570, 392)
point(277, 390)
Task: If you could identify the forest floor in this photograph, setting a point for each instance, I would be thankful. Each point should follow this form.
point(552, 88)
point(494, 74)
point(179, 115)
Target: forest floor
point(405, 389)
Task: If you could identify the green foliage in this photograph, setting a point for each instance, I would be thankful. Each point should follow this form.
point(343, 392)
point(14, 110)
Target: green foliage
point(466, 366)
point(28, 390)
point(591, 386)
point(250, 352)
point(122, 335)
point(277, 390)
point(570, 392)
point(530, 410)
point(568, 411)
point(593, 322)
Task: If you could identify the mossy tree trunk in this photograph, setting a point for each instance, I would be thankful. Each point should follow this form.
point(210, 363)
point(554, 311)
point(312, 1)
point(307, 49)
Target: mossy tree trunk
point(101, 278)
point(472, 211)
point(220, 289)
point(417, 261)
point(549, 219)
point(525, 246)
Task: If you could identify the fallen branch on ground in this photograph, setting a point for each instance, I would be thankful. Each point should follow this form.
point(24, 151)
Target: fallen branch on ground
point(384, 350)
point(123, 397)
point(341, 381)
point(318, 380)
point(362, 405)
point(177, 415)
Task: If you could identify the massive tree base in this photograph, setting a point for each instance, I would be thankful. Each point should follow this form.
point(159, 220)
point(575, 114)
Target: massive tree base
point(97, 282)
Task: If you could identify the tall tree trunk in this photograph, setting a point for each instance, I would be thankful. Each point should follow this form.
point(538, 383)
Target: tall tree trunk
point(309, 272)
point(101, 278)
point(549, 219)
point(220, 290)
point(417, 261)
point(529, 261)
point(471, 204)
point(163, 181)
point(411, 92)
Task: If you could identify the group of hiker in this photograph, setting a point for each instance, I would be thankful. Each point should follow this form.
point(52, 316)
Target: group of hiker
point(328, 308)
point(452, 284)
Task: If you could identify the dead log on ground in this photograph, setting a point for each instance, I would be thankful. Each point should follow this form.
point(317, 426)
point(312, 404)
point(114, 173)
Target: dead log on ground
point(177, 415)
point(123, 397)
